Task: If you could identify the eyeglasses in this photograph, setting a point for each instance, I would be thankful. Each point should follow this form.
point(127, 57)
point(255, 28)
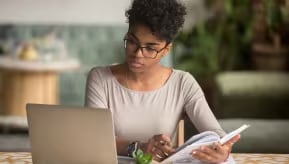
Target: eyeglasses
point(147, 52)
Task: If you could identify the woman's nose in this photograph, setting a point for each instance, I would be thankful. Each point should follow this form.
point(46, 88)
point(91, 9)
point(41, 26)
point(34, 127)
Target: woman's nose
point(139, 53)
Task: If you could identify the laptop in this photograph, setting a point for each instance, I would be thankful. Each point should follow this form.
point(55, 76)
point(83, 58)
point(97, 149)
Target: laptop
point(68, 135)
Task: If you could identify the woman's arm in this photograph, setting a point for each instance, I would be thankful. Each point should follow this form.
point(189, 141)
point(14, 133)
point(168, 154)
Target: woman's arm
point(95, 97)
point(203, 119)
point(95, 90)
point(197, 108)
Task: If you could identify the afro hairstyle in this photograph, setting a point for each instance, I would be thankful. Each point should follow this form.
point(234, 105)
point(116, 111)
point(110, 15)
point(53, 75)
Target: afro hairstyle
point(164, 17)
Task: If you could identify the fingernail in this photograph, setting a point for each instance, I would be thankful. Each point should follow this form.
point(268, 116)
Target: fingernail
point(194, 152)
point(163, 142)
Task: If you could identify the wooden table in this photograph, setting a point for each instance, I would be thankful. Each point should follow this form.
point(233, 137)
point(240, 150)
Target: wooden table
point(30, 82)
point(25, 158)
point(261, 158)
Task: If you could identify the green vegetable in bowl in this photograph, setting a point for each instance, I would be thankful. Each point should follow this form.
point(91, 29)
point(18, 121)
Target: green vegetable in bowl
point(141, 157)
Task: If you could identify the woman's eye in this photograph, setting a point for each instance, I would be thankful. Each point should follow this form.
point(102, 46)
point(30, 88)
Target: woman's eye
point(149, 49)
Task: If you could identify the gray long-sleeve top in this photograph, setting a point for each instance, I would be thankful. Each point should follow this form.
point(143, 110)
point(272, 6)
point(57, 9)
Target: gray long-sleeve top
point(138, 115)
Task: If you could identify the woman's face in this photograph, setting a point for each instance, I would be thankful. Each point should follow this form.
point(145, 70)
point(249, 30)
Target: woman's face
point(143, 49)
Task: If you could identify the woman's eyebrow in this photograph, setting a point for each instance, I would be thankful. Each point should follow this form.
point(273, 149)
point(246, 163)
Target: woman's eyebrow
point(149, 43)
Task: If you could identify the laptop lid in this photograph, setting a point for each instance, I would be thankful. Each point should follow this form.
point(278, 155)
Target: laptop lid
point(63, 134)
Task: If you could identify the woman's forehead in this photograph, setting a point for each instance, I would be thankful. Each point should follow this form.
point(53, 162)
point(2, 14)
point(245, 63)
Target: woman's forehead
point(142, 32)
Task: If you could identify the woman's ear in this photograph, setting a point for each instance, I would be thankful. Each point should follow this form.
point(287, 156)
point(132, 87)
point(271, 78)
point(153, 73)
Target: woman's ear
point(167, 50)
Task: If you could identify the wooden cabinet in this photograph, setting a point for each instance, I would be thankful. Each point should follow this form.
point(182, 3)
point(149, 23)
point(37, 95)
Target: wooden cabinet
point(30, 82)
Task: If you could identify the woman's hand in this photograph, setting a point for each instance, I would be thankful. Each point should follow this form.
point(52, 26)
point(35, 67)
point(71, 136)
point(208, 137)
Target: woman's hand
point(159, 146)
point(216, 153)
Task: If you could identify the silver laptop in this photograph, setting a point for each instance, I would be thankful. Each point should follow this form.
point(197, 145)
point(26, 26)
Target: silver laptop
point(68, 135)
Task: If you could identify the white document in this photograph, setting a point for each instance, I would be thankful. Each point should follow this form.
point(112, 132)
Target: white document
point(183, 153)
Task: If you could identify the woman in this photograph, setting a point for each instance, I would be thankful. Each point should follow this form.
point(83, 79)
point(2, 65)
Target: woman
point(147, 99)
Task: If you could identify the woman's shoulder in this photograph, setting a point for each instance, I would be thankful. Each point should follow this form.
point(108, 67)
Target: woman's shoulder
point(183, 75)
point(99, 72)
point(188, 83)
point(180, 72)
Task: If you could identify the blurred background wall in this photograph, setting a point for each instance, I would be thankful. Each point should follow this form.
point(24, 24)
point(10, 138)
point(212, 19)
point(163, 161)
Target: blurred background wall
point(63, 11)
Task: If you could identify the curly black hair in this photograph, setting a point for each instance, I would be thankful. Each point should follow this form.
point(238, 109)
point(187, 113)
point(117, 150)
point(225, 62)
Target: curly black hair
point(163, 17)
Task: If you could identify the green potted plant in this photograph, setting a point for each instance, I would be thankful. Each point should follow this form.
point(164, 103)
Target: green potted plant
point(217, 44)
point(269, 50)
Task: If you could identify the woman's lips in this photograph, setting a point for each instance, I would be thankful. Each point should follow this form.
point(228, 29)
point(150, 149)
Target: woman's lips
point(135, 63)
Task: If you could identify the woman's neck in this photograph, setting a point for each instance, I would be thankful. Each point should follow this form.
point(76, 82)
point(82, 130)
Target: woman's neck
point(144, 81)
point(144, 77)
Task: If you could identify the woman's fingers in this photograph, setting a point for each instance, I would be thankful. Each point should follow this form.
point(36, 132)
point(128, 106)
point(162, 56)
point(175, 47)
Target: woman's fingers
point(232, 141)
point(209, 153)
point(165, 148)
point(160, 147)
point(202, 156)
point(157, 154)
point(163, 139)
